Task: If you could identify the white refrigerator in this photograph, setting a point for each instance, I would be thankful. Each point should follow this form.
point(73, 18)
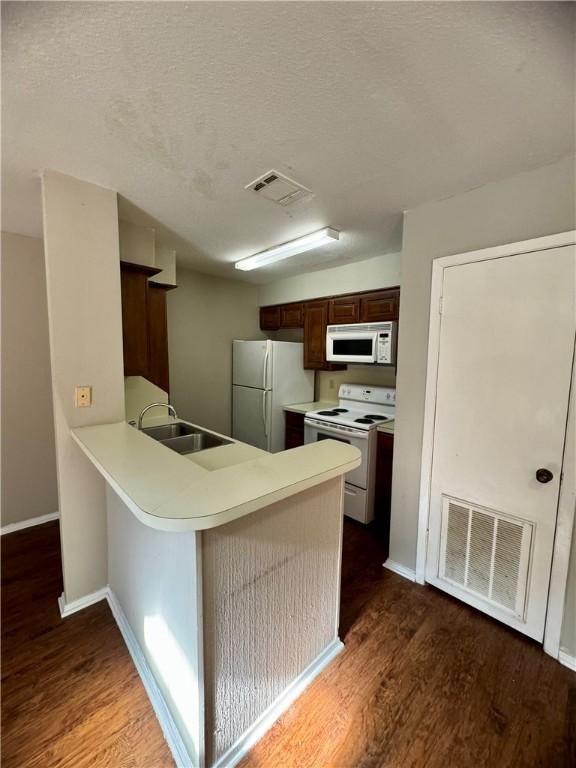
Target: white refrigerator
point(265, 376)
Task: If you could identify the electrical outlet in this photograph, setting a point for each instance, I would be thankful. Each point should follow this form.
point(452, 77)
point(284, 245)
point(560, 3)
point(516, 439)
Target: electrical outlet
point(83, 397)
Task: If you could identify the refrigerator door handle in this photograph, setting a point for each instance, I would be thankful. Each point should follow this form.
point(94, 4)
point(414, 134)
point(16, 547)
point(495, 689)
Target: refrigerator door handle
point(264, 413)
point(265, 367)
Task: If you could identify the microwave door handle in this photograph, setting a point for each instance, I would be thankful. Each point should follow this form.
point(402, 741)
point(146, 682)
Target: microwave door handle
point(348, 334)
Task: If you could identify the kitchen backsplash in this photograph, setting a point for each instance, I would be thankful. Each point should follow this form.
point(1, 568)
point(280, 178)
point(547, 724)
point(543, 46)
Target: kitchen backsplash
point(328, 383)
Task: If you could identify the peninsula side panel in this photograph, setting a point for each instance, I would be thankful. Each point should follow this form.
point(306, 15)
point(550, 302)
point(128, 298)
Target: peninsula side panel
point(271, 587)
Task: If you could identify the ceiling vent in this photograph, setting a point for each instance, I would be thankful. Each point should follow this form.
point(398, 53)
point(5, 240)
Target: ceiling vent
point(279, 189)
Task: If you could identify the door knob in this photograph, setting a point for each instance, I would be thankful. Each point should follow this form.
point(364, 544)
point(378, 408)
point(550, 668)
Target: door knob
point(544, 475)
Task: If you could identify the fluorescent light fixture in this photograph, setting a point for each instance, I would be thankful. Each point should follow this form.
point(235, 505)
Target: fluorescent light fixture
point(293, 247)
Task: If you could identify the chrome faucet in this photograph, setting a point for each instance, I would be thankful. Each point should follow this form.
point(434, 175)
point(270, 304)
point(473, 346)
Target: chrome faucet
point(153, 405)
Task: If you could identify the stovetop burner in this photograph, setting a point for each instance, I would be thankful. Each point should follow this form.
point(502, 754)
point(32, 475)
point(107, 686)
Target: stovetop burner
point(328, 413)
point(340, 410)
point(364, 421)
point(376, 417)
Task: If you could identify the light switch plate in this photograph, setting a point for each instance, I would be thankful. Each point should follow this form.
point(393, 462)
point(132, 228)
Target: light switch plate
point(83, 396)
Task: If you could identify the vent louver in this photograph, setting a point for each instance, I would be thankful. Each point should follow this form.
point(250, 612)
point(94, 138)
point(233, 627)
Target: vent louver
point(485, 553)
point(280, 189)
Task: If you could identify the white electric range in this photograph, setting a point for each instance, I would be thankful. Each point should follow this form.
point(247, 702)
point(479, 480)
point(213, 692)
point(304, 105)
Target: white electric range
point(354, 420)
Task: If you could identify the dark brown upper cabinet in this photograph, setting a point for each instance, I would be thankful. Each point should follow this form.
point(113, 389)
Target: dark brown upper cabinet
point(344, 309)
point(378, 306)
point(292, 315)
point(314, 316)
point(158, 369)
point(134, 286)
point(269, 318)
point(144, 325)
point(315, 323)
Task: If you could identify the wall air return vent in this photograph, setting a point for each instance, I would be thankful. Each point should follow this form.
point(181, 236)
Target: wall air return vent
point(279, 189)
point(485, 554)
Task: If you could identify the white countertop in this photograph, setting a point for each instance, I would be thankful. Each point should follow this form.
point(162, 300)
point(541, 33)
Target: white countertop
point(174, 492)
point(318, 405)
point(388, 427)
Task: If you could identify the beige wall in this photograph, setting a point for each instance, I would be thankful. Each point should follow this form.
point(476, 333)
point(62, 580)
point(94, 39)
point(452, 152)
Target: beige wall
point(138, 393)
point(137, 244)
point(378, 272)
point(84, 311)
point(205, 314)
point(532, 204)
point(328, 382)
point(29, 486)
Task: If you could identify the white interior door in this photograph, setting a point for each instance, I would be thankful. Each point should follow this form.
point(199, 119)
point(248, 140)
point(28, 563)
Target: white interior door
point(251, 364)
point(505, 357)
point(251, 416)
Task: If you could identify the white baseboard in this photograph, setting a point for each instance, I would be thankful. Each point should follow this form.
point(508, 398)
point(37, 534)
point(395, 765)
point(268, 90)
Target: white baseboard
point(567, 660)
point(167, 724)
point(67, 609)
point(40, 520)
point(400, 569)
point(248, 739)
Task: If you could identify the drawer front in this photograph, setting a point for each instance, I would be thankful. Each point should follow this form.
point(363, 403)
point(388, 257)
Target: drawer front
point(356, 504)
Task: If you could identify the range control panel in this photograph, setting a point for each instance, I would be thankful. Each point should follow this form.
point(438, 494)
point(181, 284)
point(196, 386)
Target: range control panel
point(361, 392)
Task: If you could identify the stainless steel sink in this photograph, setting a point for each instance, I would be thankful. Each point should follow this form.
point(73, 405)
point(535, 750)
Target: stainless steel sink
point(183, 438)
point(167, 431)
point(199, 441)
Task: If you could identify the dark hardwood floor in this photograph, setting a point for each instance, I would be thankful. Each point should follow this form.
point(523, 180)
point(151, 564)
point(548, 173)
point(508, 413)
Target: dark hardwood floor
point(424, 681)
point(71, 696)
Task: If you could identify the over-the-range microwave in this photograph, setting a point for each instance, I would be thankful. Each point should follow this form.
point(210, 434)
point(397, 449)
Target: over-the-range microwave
point(365, 343)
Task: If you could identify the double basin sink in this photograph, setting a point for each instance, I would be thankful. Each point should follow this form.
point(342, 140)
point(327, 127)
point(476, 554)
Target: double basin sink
point(184, 438)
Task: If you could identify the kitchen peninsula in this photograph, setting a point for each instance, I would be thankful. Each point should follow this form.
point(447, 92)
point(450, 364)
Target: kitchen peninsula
point(224, 573)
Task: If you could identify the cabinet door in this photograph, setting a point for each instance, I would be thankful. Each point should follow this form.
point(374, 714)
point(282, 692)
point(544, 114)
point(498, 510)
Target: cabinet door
point(381, 305)
point(291, 316)
point(315, 322)
point(294, 438)
point(134, 285)
point(269, 318)
point(344, 309)
point(158, 338)
point(383, 495)
point(294, 431)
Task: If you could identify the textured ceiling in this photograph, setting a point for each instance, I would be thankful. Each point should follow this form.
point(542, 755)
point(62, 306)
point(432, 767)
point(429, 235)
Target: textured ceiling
point(377, 107)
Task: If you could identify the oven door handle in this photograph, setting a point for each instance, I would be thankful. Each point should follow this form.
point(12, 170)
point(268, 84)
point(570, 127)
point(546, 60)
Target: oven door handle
point(363, 435)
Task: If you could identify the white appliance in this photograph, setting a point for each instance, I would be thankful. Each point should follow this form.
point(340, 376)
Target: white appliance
point(355, 420)
point(365, 343)
point(266, 375)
